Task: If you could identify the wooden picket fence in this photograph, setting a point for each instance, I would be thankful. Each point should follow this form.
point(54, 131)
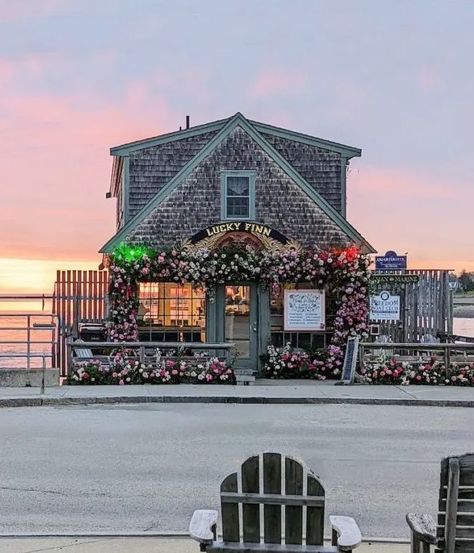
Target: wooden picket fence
point(425, 307)
point(78, 296)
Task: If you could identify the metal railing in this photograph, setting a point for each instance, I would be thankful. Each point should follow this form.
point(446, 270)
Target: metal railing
point(29, 327)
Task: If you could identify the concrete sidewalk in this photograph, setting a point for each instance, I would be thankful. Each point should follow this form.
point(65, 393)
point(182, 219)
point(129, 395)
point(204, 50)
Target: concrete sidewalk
point(139, 545)
point(263, 392)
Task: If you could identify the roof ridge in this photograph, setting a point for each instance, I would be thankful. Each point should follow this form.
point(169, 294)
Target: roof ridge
point(122, 149)
point(348, 151)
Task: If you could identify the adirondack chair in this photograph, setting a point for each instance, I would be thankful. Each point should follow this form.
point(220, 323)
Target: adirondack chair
point(299, 495)
point(455, 529)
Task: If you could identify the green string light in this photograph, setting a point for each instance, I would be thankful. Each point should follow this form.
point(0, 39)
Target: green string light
point(129, 253)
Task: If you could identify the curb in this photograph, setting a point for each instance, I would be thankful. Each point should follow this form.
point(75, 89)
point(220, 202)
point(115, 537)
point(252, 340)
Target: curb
point(67, 401)
point(168, 535)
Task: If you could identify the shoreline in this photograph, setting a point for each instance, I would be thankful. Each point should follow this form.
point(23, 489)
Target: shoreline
point(463, 312)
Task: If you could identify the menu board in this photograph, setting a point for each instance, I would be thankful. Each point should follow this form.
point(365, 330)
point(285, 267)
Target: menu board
point(350, 360)
point(304, 310)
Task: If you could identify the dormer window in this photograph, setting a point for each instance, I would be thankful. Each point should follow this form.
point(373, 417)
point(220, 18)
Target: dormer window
point(238, 195)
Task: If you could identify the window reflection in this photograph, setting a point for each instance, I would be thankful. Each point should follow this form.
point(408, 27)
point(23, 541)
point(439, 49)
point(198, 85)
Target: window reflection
point(171, 312)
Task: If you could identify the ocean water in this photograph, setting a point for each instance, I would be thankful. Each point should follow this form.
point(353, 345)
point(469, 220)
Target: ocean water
point(463, 326)
point(13, 329)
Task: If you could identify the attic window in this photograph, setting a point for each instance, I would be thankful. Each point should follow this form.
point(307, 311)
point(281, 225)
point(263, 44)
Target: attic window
point(238, 195)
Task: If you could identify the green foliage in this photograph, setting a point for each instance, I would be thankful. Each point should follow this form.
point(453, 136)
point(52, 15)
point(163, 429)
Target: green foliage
point(466, 281)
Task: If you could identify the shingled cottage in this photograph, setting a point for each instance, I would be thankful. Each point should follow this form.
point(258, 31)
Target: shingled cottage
point(232, 185)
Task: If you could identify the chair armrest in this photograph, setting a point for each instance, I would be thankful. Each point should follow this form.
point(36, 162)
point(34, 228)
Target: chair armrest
point(423, 527)
point(348, 533)
point(202, 526)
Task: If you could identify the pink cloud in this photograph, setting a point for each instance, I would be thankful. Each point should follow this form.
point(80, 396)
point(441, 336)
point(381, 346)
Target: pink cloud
point(399, 182)
point(429, 78)
point(56, 167)
point(30, 8)
point(6, 70)
point(402, 211)
point(274, 81)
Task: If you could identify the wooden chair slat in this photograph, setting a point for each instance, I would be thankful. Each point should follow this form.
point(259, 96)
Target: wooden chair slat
point(293, 515)
point(463, 493)
point(218, 547)
point(463, 506)
point(461, 520)
point(272, 499)
point(272, 485)
point(230, 511)
point(315, 515)
point(466, 467)
point(251, 512)
point(464, 532)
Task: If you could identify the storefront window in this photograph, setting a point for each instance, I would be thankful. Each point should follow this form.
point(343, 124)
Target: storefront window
point(171, 312)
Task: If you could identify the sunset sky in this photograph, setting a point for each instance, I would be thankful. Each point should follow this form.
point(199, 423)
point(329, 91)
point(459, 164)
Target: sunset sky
point(394, 78)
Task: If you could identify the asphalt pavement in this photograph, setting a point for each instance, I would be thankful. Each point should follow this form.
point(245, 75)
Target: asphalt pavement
point(144, 468)
point(137, 545)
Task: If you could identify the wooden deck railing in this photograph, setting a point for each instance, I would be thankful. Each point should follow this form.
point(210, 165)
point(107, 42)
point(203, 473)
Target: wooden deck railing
point(449, 353)
point(147, 350)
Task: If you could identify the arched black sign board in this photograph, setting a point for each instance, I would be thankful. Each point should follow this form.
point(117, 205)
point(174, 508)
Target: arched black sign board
point(350, 360)
point(239, 226)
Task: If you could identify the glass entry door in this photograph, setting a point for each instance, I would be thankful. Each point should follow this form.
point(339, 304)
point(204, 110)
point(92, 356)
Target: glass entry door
point(240, 317)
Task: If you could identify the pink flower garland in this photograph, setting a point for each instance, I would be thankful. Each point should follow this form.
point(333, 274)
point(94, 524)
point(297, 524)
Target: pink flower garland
point(344, 272)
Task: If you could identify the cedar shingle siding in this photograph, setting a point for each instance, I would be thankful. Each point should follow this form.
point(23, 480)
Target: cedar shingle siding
point(195, 203)
point(320, 168)
point(151, 168)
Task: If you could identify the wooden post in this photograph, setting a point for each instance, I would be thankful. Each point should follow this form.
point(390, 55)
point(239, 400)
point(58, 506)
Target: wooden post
point(361, 357)
point(447, 361)
point(28, 341)
point(69, 356)
point(452, 505)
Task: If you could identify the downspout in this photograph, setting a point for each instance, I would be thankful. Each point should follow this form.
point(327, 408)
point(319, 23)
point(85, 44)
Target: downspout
point(344, 166)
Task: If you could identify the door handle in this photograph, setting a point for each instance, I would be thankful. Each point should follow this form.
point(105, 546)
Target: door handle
point(254, 327)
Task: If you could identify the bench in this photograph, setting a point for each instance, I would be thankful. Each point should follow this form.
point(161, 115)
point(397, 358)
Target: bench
point(281, 486)
point(455, 529)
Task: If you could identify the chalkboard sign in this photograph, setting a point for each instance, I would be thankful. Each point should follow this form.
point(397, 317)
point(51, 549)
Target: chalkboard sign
point(350, 360)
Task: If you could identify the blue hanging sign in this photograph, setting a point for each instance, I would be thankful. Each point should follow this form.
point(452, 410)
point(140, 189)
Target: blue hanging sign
point(390, 262)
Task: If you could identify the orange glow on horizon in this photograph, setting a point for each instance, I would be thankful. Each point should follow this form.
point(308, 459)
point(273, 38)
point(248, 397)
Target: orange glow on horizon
point(36, 275)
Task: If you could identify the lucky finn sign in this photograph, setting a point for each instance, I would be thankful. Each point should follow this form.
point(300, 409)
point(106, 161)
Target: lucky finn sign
point(239, 226)
point(390, 262)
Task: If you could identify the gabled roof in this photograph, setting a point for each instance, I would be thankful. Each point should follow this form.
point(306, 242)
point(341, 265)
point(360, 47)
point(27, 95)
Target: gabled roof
point(130, 147)
point(346, 151)
point(238, 120)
